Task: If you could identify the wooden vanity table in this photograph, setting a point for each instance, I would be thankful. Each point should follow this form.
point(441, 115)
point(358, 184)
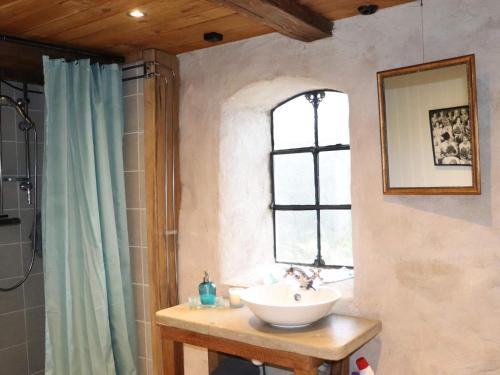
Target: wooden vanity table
point(238, 332)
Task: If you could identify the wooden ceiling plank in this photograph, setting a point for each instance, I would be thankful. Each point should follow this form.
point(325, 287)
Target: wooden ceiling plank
point(23, 23)
point(288, 17)
point(96, 13)
point(176, 25)
point(62, 14)
point(144, 33)
point(20, 15)
point(119, 21)
point(18, 7)
point(233, 27)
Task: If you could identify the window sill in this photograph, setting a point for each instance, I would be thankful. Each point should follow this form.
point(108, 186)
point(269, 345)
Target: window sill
point(275, 273)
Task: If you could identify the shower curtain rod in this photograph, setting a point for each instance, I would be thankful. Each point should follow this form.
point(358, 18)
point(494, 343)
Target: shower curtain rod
point(100, 57)
point(63, 49)
point(143, 75)
point(76, 51)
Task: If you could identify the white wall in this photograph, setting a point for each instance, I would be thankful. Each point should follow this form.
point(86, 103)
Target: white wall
point(426, 266)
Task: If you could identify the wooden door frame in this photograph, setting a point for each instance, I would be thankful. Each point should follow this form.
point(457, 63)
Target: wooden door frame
point(161, 153)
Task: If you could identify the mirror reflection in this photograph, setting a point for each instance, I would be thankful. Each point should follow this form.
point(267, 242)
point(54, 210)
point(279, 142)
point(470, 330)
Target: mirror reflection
point(428, 128)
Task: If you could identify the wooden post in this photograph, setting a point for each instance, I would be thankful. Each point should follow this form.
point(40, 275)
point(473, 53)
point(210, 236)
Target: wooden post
point(161, 123)
point(340, 367)
point(172, 350)
point(313, 371)
point(213, 361)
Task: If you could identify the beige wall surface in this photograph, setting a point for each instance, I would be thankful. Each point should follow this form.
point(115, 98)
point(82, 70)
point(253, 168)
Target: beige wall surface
point(426, 266)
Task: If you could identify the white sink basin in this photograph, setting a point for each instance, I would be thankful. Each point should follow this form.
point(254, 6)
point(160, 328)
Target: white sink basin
point(288, 307)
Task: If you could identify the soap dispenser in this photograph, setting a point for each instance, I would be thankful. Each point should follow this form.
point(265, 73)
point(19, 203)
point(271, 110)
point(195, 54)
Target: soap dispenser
point(207, 291)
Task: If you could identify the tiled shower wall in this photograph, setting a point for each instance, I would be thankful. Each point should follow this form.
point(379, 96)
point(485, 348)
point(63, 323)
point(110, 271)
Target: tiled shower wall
point(133, 151)
point(22, 320)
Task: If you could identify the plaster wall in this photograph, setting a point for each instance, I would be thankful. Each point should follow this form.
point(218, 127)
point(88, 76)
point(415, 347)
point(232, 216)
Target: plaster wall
point(426, 266)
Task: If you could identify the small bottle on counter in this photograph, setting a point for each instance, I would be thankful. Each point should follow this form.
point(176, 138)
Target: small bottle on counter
point(364, 367)
point(207, 291)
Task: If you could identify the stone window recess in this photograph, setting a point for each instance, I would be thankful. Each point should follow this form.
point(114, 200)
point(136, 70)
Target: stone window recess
point(311, 180)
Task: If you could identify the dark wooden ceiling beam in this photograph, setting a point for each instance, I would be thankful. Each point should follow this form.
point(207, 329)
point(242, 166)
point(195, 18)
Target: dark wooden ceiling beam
point(287, 17)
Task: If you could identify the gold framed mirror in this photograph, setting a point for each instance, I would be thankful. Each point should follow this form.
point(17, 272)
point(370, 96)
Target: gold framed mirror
point(429, 129)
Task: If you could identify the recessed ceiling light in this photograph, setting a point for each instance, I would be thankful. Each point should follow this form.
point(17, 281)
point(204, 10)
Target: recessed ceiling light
point(368, 9)
point(136, 13)
point(213, 37)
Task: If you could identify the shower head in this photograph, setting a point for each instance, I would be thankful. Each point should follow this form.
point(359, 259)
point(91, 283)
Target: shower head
point(7, 101)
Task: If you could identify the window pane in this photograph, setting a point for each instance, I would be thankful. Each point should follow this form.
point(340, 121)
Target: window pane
point(333, 119)
point(335, 177)
point(296, 236)
point(294, 179)
point(336, 237)
point(294, 124)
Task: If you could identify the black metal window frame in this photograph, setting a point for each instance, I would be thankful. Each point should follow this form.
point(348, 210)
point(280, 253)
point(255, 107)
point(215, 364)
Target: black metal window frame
point(314, 97)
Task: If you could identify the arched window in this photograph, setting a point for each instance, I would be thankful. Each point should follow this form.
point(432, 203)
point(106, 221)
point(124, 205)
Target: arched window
point(311, 180)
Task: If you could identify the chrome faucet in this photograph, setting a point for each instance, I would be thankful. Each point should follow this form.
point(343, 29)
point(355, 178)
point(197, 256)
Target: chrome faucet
point(305, 281)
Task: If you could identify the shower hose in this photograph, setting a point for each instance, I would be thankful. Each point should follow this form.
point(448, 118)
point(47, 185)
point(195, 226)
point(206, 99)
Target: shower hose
point(34, 235)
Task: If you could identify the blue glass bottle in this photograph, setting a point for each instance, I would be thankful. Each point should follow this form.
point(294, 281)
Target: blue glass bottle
point(207, 291)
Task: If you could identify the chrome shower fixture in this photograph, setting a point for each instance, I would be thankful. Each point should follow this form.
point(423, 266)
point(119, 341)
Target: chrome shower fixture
point(25, 125)
point(19, 107)
point(28, 183)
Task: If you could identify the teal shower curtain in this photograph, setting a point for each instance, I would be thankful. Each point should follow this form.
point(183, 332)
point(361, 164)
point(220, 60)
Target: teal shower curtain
point(88, 291)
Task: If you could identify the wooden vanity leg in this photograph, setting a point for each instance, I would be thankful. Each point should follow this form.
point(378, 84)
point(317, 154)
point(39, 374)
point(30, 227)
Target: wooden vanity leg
point(313, 371)
point(307, 366)
point(213, 361)
point(340, 367)
point(173, 357)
